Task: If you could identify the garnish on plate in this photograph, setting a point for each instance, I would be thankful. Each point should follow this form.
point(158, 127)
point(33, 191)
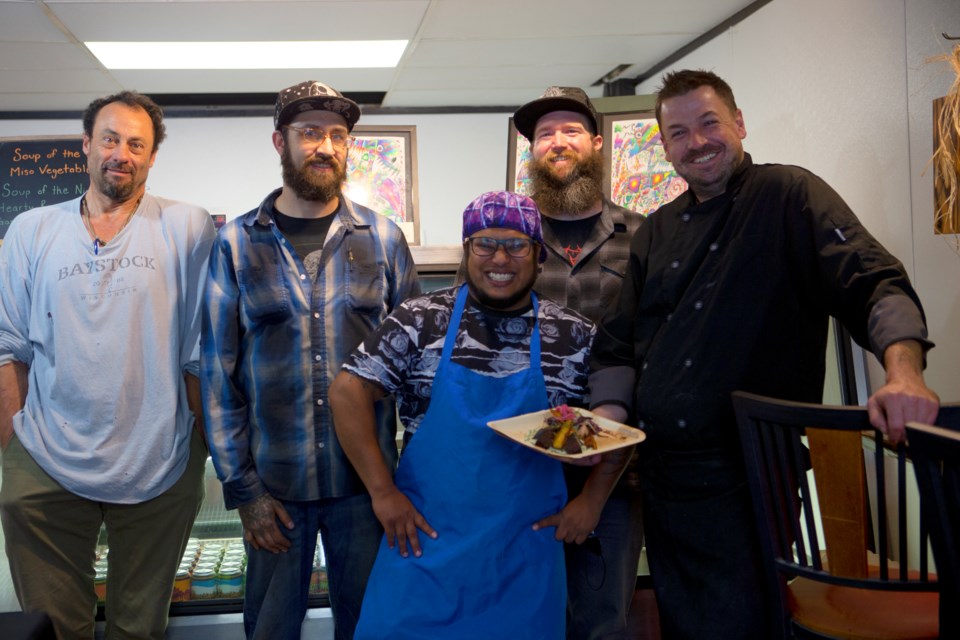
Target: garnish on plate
point(566, 430)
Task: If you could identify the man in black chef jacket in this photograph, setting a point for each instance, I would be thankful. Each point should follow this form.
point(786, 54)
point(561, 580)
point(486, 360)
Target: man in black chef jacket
point(729, 287)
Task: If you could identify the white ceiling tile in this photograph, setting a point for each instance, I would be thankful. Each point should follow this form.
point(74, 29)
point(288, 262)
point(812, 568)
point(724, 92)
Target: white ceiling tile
point(609, 51)
point(516, 77)
point(79, 80)
point(61, 56)
point(561, 18)
point(26, 22)
point(186, 21)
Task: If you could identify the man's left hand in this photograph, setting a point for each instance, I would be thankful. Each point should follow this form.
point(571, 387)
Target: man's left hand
point(905, 397)
point(897, 403)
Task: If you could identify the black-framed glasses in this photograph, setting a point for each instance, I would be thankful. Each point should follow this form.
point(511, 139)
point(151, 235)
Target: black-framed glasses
point(485, 247)
point(314, 136)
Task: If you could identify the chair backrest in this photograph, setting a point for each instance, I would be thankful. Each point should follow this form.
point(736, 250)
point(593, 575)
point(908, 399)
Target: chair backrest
point(836, 459)
point(772, 434)
point(936, 461)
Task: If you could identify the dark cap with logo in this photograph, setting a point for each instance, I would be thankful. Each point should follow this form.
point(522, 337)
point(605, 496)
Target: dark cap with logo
point(554, 99)
point(313, 96)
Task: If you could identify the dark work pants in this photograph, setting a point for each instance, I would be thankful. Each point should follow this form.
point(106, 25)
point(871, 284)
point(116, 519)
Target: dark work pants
point(702, 546)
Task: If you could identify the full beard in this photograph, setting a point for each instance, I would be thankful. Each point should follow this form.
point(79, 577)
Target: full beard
point(308, 185)
point(576, 193)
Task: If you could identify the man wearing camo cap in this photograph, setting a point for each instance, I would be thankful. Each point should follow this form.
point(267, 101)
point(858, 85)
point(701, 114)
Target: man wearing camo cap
point(587, 238)
point(487, 561)
point(294, 285)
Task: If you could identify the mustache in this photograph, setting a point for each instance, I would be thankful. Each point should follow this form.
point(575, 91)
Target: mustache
point(321, 161)
point(116, 166)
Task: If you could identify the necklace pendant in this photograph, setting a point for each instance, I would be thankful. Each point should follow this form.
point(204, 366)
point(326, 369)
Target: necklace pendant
point(96, 246)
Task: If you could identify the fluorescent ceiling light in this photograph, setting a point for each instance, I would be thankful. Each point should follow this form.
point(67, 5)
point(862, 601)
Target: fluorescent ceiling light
point(342, 54)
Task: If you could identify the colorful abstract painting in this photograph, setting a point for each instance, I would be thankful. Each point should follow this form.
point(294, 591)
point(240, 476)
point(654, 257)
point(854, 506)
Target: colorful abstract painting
point(377, 174)
point(641, 179)
point(521, 181)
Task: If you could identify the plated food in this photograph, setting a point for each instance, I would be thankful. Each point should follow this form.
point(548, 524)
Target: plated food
point(567, 430)
point(567, 433)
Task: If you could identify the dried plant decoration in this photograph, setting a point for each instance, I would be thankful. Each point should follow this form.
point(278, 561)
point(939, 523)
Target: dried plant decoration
point(946, 154)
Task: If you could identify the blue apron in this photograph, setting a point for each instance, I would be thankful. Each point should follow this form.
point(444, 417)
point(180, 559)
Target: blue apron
point(488, 574)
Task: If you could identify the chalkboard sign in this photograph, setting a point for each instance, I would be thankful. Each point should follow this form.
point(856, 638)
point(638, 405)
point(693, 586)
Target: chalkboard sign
point(39, 171)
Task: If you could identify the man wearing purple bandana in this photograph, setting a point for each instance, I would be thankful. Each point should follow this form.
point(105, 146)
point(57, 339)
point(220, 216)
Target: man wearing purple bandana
point(483, 518)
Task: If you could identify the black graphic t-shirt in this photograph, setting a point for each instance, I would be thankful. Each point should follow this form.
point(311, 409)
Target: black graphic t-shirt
point(572, 234)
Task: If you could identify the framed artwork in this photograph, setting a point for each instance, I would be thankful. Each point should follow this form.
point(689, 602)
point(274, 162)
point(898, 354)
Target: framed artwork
point(382, 174)
point(518, 152)
point(636, 173)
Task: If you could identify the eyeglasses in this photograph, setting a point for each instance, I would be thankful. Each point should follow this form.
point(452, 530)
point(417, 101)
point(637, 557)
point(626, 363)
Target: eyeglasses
point(314, 136)
point(515, 247)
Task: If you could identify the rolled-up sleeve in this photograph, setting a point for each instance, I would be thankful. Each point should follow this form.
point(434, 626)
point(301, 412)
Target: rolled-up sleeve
point(15, 296)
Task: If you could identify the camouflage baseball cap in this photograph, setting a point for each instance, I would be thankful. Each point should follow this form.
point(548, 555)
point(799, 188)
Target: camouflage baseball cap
point(554, 99)
point(313, 96)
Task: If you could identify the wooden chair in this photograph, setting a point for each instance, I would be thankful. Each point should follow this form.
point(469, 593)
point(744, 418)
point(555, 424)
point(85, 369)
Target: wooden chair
point(935, 451)
point(825, 590)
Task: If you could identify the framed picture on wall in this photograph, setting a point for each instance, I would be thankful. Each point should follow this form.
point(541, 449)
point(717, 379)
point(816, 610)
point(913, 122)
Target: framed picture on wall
point(518, 152)
point(636, 173)
point(382, 174)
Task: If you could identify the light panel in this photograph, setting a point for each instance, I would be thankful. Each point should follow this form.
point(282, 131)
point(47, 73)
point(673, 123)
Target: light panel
point(339, 54)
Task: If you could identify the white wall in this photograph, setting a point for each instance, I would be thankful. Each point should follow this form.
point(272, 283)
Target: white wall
point(842, 88)
point(229, 164)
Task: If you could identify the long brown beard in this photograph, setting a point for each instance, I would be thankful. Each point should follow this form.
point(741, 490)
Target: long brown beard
point(576, 193)
point(307, 185)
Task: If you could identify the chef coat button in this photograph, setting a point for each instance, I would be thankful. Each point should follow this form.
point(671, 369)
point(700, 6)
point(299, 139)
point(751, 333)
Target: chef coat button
point(675, 264)
point(685, 217)
point(688, 363)
point(698, 305)
point(714, 246)
point(643, 367)
point(682, 423)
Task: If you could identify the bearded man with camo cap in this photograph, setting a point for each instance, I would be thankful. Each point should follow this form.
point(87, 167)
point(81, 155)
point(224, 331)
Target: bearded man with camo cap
point(294, 285)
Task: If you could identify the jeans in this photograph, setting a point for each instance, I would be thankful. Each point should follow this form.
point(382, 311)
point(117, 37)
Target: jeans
point(600, 585)
point(277, 587)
